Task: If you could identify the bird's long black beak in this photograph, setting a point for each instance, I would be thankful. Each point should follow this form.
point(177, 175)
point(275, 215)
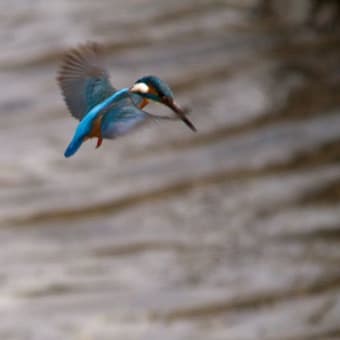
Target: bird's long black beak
point(169, 102)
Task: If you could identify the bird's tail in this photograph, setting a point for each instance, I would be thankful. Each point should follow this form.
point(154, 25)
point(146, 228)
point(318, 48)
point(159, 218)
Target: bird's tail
point(73, 147)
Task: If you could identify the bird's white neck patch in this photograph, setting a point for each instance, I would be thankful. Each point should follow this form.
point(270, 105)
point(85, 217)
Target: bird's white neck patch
point(140, 87)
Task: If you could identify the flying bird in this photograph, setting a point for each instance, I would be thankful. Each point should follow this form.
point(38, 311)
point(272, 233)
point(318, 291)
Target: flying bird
point(104, 112)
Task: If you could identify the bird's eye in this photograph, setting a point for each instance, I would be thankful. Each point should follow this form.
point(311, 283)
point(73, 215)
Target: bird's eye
point(164, 97)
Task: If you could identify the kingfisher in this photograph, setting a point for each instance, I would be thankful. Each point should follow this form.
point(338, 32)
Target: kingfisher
point(103, 111)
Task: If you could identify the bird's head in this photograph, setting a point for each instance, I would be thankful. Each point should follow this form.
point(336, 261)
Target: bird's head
point(153, 88)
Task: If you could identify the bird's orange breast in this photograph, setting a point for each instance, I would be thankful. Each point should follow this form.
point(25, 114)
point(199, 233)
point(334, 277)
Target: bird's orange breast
point(143, 103)
point(96, 130)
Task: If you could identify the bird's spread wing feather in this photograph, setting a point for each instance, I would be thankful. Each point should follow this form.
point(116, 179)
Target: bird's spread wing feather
point(122, 116)
point(125, 115)
point(121, 121)
point(83, 79)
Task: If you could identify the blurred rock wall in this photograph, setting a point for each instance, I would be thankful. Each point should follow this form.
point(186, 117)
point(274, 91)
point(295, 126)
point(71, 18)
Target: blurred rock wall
point(321, 14)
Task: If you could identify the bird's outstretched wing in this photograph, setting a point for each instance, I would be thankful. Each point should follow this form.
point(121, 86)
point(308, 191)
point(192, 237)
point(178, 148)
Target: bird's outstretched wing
point(83, 79)
point(125, 115)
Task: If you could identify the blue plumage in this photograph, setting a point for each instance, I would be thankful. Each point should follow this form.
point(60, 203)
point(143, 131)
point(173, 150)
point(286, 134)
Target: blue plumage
point(103, 111)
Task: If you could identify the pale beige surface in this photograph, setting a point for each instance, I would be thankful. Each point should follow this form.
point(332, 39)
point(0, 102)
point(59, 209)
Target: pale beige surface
point(232, 233)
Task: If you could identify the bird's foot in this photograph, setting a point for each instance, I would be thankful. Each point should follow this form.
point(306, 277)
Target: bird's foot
point(99, 142)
